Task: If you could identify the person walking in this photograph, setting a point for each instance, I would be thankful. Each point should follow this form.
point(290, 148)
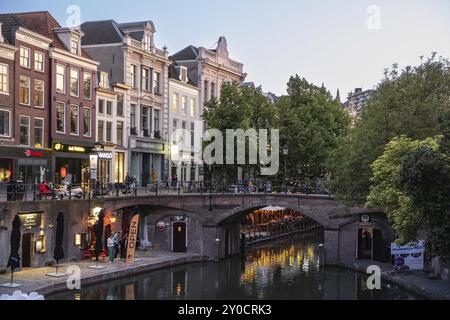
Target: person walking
point(110, 245)
point(122, 245)
point(116, 244)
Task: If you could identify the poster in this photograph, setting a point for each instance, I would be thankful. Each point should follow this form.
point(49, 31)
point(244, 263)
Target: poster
point(408, 257)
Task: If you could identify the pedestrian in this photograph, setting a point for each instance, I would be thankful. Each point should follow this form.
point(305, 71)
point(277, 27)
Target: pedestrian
point(122, 245)
point(116, 244)
point(110, 245)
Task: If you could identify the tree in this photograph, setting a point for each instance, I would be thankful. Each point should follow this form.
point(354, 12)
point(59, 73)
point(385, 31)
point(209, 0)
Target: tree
point(386, 193)
point(425, 178)
point(407, 102)
point(238, 108)
point(310, 123)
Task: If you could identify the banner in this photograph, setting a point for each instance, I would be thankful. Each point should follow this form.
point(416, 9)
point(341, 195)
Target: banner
point(93, 162)
point(132, 239)
point(409, 257)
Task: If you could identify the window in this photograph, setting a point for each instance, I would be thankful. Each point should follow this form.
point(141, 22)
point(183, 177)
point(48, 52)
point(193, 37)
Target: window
point(104, 80)
point(145, 79)
point(148, 42)
point(101, 130)
point(108, 131)
point(74, 46)
point(4, 78)
point(74, 120)
point(38, 132)
point(144, 118)
point(119, 110)
point(133, 76)
point(119, 164)
point(183, 104)
point(74, 82)
point(193, 107)
point(60, 78)
point(174, 128)
point(213, 89)
point(39, 61)
point(156, 120)
point(24, 131)
point(205, 91)
point(25, 57)
point(192, 134)
point(39, 93)
point(175, 103)
point(156, 83)
point(60, 118)
point(87, 122)
point(109, 108)
point(87, 85)
point(133, 116)
point(5, 123)
point(183, 74)
point(119, 133)
point(24, 90)
point(101, 106)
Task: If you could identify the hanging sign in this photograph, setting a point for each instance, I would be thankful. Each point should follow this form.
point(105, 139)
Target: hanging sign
point(161, 226)
point(132, 239)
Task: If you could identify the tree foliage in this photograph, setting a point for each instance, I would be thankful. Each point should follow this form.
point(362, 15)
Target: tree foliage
point(386, 193)
point(407, 102)
point(310, 123)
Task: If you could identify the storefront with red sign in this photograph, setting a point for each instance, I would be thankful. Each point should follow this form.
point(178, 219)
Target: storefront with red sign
point(29, 165)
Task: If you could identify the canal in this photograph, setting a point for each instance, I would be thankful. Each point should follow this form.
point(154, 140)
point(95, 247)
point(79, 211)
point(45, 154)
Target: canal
point(284, 269)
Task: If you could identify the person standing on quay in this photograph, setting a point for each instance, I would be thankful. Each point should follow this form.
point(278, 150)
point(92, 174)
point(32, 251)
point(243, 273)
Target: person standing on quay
point(110, 245)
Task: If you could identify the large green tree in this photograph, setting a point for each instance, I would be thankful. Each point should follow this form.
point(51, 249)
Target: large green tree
point(385, 192)
point(238, 107)
point(407, 102)
point(310, 123)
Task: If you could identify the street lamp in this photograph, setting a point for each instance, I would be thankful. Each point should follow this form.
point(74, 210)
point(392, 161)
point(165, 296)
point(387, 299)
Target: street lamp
point(285, 153)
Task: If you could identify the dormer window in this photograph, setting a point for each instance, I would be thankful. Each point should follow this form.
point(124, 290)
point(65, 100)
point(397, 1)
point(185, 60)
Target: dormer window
point(148, 42)
point(74, 46)
point(104, 80)
point(183, 74)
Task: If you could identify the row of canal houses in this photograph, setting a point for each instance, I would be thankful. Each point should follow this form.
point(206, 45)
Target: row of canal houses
point(102, 88)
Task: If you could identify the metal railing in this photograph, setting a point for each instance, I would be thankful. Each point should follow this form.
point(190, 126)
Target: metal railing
point(32, 192)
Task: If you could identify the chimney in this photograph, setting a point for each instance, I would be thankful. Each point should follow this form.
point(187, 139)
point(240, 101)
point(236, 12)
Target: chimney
point(1, 33)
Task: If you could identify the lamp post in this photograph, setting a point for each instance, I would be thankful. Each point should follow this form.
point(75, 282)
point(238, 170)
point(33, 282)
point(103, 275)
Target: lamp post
point(285, 153)
point(98, 146)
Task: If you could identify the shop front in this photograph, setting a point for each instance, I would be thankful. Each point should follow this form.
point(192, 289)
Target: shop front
point(30, 166)
point(147, 161)
point(72, 159)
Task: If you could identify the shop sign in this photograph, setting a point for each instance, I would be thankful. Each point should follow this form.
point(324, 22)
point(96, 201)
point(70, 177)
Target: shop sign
point(161, 226)
point(69, 148)
point(30, 219)
point(178, 218)
point(365, 220)
point(35, 154)
point(408, 257)
point(132, 239)
point(103, 155)
point(93, 160)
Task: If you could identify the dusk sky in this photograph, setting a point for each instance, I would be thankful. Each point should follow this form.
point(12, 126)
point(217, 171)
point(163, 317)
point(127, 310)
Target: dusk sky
point(325, 41)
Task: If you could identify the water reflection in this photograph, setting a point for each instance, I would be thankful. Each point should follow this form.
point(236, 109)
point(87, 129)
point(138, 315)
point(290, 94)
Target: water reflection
point(285, 269)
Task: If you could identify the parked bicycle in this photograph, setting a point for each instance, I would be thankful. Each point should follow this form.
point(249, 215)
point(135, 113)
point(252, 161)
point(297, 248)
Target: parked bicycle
point(157, 188)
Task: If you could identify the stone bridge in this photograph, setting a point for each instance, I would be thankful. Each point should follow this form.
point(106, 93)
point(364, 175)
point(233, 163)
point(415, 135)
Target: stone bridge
point(213, 220)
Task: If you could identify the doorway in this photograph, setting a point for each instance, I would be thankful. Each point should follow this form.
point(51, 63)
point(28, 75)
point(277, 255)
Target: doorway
point(27, 249)
point(365, 243)
point(179, 237)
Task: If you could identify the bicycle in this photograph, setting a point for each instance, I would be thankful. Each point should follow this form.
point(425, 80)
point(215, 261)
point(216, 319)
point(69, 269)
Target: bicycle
point(157, 188)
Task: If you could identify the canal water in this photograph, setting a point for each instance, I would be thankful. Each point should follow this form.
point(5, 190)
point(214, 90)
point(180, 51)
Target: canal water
point(284, 269)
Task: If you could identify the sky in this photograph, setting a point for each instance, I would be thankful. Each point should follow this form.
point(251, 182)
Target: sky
point(344, 44)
